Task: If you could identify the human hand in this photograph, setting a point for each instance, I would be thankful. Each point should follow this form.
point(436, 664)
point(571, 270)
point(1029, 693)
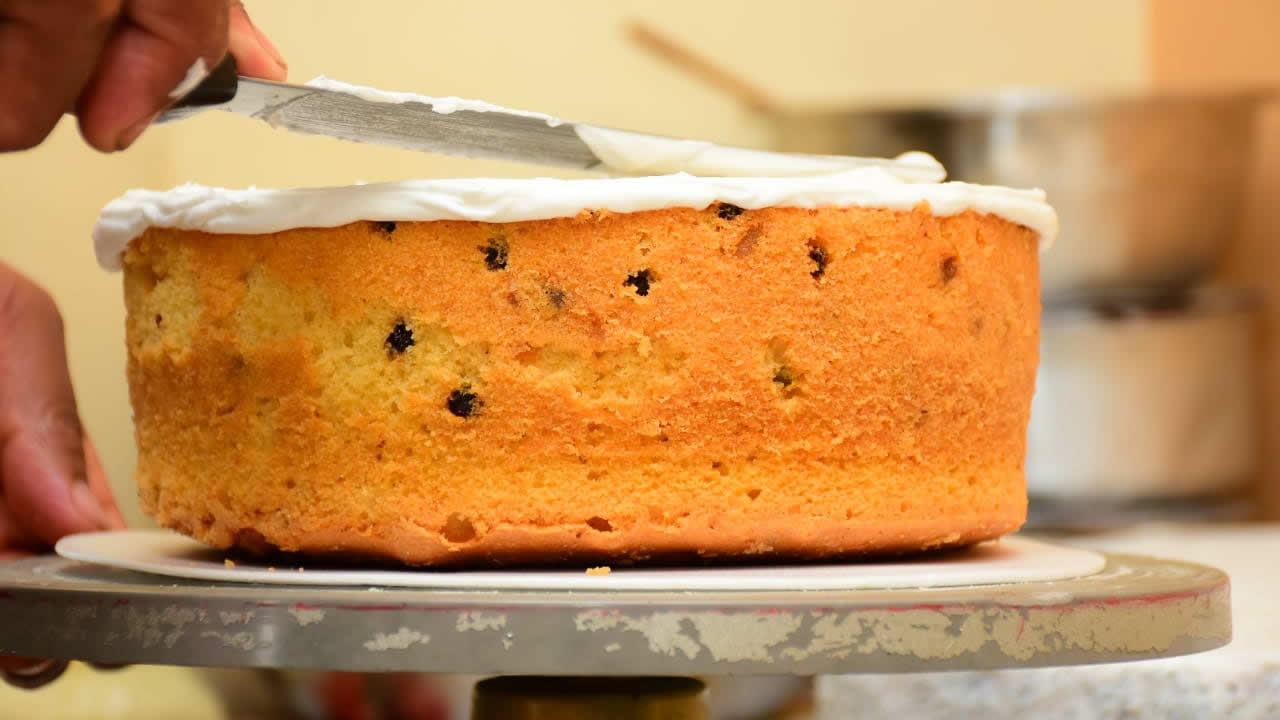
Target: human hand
point(51, 481)
point(114, 63)
point(394, 696)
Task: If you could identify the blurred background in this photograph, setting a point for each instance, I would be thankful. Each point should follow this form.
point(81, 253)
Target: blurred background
point(1160, 394)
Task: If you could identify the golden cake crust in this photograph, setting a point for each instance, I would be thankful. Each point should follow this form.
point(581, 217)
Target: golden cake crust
point(607, 388)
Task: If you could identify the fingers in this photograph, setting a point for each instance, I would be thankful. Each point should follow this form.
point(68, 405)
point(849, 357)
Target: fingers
point(255, 54)
point(419, 697)
point(346, 696)
point(116, 63)
point(156, 45)
point(42, 459)
point(15, 541)
point(29, 674)
point(47, 54)
point(100, 485)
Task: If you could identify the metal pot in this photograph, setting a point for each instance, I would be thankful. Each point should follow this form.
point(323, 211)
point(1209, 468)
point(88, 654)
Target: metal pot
point(1142, 399)
point(1148, 189)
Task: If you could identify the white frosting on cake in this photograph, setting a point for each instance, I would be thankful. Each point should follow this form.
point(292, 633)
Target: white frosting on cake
point(259, 211)
point(628, 153)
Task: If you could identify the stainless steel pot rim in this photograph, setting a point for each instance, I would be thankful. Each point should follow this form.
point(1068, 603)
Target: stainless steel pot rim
point(1031, 100)
point(1146, 305)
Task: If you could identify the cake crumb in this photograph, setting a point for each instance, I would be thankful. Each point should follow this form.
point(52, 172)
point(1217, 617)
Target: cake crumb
point(229, 563)
point(602, 570)
point(271, 569)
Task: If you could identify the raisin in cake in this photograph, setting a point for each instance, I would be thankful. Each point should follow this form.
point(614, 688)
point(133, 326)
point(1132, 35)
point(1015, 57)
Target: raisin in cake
point(531, 371)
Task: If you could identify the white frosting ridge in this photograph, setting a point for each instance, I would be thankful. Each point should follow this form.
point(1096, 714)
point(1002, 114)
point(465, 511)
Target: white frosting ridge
point(629, 153)
point(259, 211)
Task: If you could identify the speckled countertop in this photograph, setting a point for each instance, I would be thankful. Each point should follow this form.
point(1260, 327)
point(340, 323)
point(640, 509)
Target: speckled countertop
point(1239, 681)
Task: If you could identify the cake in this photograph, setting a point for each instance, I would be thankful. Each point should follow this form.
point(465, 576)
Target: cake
point(496, 372)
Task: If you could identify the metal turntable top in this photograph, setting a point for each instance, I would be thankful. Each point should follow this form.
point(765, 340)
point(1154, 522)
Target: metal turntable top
point(1135, 608)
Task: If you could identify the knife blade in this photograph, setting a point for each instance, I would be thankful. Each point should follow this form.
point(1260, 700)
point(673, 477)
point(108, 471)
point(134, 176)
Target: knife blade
point(441, 126)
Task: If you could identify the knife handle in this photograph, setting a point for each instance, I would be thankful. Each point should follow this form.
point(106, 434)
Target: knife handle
point(217, 88)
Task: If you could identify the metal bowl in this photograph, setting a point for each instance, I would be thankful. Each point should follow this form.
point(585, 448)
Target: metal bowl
point(1148, 189)
point(1146, 399)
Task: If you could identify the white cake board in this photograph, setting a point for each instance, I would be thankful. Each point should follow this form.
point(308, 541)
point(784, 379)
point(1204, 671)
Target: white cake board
point(1012, 560)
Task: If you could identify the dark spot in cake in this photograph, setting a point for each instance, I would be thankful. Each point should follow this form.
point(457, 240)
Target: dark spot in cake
point(495, 254)
point(290, 484)
point(148, 278)
point(818, 254)
point(514, 298)
point(464, 403)
point(386, 227)
point(727, 211)
point(600, 524)
point(978, 324)
point(159, 320)
point(748, 241)
point(458, 529)
point(641, 281)
point(753, 493)
point(784, 376)
point(400, 339)
point(556, 297)
point(949, 269)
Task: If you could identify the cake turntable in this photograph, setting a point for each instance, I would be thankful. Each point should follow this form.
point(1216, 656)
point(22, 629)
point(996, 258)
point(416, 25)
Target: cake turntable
point(1016, 603)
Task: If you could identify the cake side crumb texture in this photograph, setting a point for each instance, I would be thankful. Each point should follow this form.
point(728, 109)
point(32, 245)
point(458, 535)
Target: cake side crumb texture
point(615, 387)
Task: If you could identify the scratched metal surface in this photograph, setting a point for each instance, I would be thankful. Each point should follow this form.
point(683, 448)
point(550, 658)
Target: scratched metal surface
point(1136, 608)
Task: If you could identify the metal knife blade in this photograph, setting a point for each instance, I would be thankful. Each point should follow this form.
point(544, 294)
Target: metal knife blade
point(410, 125)
point(500, 135)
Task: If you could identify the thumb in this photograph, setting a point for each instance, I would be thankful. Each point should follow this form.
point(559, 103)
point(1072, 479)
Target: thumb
point(42, 459)
point(255, 54)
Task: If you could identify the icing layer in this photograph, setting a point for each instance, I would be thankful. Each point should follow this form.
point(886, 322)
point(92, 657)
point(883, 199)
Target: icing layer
point(259, 211)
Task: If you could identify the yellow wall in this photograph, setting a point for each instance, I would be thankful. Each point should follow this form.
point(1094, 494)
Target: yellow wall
point(569, 58)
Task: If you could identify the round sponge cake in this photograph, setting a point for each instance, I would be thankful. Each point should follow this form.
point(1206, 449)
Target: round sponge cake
point(660, 385)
